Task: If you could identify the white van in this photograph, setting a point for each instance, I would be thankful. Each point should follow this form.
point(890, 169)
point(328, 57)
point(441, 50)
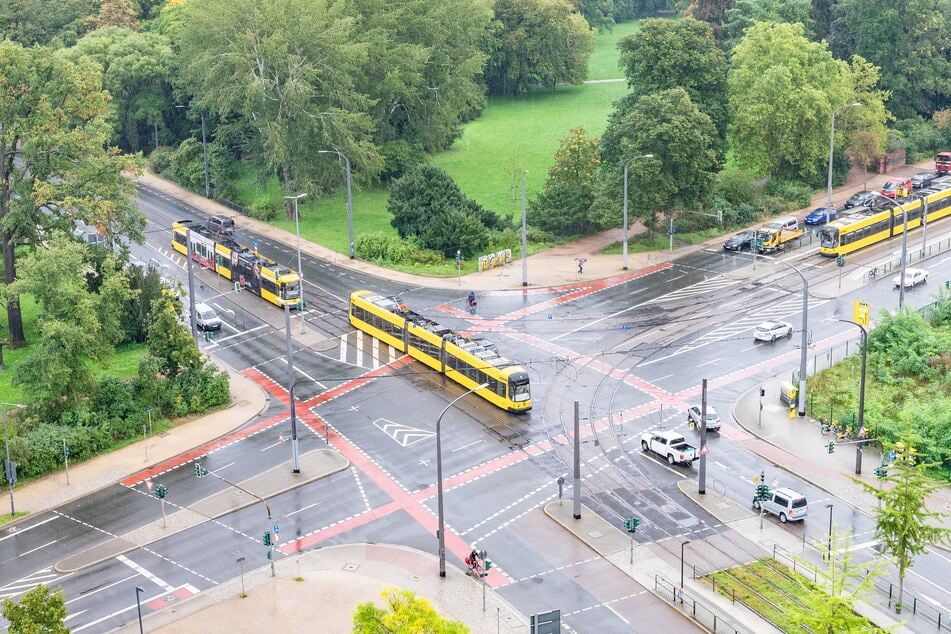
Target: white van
point(785, 222)
point(786, 504)
point(206, 318)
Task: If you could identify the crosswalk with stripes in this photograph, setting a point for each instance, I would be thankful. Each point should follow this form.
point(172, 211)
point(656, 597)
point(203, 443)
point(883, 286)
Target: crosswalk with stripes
point(360, 349)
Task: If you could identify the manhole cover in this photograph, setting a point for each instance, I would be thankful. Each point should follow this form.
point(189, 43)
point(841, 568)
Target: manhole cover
point(351, 567)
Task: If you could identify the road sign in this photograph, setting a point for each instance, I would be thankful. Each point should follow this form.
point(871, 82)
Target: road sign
point(277, 529)
point(891, 455)
point(861, 312)
point(704, 451)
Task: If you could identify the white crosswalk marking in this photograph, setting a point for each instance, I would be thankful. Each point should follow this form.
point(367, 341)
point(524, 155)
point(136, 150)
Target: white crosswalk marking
point(360, 349)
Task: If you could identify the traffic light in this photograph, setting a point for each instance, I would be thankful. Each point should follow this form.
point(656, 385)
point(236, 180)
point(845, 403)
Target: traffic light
point(200, 471)
point(762, 492)
point(66, 451)
point(762, 392)
point(161, 491)
point(485, 570)
point(840, 260)
point(631, 524)
point(831, 446)
point(267, 538)
point(881, 472)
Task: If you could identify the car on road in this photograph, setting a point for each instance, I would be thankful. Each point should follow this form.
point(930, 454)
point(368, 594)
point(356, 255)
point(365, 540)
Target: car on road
point(713, 419)
point(821, 215)
point(772, 330)
point(740, 241)
point(786, 504)
point(897, 187)
point(863, 198)
point(206, 318)
point(922, 179)
point(913, 277)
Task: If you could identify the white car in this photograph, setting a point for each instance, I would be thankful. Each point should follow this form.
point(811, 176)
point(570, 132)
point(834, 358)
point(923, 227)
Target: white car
point(913, 277)
point(772, 330)
point(713, 420)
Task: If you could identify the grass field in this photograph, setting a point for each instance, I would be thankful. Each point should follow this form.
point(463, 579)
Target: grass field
point(487, 162)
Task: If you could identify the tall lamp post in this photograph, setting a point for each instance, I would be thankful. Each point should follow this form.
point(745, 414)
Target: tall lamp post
point(349, 197)
point(861, 421)
point(633, 158)
point(831, 146)
point(8, 465)
point(904, 248)
point(524, 235)
point(441, 531)
point(300, 270)
point(138, 604)
point(829, 542)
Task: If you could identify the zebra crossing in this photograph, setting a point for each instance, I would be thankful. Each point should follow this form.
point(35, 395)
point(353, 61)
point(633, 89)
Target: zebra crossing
point(360, 349)
point(700, 288)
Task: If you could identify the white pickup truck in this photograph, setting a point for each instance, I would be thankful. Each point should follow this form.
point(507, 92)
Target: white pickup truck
point(671, 445)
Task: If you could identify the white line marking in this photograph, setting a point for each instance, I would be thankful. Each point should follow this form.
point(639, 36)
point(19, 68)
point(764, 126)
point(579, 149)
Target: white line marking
point(145, 573)
point(304, 508)
point(20, 531)
point(465, 446)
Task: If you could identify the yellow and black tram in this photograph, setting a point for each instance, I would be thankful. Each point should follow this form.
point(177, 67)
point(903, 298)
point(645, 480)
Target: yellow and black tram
point(469, 362)
point(262, 276)
point(866, 226)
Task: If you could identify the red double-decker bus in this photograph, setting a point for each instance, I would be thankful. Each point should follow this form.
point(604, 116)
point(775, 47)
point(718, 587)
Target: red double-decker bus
point(942, 163)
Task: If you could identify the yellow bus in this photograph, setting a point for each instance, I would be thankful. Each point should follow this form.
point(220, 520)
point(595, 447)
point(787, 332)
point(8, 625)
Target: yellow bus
point(869, 225)
point(262, 276)
point(468, 362)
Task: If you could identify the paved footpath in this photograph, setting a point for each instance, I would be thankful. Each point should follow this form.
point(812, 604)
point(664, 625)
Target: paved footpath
point(345, 576)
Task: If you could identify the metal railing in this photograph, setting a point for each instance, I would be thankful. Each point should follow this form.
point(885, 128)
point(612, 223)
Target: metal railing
point(694, 607)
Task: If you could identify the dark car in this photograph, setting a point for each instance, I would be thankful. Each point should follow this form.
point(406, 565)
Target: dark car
point(221, 226)
point(740, 241)
point(922, 179)
point(863, 198)
point(821, 215)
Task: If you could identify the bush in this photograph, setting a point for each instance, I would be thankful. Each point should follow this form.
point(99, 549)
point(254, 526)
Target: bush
point(384, 247)
point(737, 187)
point(796, 193)
point(264, 208)
point(424, 256)
point(160, 160)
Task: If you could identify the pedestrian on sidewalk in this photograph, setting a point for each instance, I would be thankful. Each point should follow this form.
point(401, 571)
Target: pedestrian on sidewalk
point(581, 262)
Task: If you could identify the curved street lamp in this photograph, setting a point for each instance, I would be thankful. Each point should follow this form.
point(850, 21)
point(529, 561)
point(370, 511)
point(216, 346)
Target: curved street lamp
point(300, 269)
point(441, 531)
point(831, 146)
point(633, 158)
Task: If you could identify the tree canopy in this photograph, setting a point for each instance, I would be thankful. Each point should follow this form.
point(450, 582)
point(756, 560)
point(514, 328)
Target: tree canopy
point(38, 611)
point(543, 42)
point(405, 613)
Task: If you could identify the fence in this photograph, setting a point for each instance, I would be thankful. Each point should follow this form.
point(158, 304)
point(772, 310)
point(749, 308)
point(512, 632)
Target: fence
point(693, 607)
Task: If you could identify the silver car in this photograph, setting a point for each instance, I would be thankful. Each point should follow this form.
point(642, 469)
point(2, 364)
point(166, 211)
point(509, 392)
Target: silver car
point(713, 419)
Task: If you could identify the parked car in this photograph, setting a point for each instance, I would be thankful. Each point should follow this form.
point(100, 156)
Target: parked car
point(740, 241)
point(713, 419)
point(913, 277)
point(821, 215)
point(772, 330)
point(897, 186)
point(922, 179)
point(786, 504)
point(784, 222)
point(863, 198)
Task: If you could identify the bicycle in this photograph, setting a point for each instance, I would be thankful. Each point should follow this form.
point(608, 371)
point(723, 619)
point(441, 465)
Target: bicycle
point(824, 426)
point(872, 273)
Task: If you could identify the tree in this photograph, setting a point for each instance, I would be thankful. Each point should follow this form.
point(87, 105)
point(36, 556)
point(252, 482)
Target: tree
point(903, 519)
point(678, 53)
point(423, 70)
point(54, 122)
point(746, 12)
point(54, 24)
point(863, 149)
point(120, 13)
point(681, 174)
point(405, 613)
point(710, 11)
point(135, 70)
point(563, 205)
point(544, 42)
point(426, 203)
point(172, 350)
point(908, 40)
point(38, 612)
point(75, 324)
point(286, 71)
point(782, 91)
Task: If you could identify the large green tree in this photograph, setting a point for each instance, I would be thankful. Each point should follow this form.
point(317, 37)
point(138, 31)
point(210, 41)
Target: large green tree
point(31, 22)
point(666, 54)
point(746, 12)
point(287, 70)
point(563, 204)
point(782, 92)
point(405, 613)
point(54, 154)
point(681, 173)
point(38, 611)
point(909, 39)
point(135, 72)
point(543, 42)
point(904, 522)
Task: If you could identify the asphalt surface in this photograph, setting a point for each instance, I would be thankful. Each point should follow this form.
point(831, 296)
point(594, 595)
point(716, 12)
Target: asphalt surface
point(283, 598)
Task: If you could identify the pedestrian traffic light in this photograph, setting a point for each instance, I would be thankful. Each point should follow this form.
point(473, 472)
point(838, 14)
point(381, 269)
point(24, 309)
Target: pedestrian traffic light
point(485, 570)
point(831, 446)
point(267, 538)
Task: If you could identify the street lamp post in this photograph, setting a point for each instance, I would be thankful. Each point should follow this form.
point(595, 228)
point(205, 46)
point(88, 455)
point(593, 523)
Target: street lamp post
point(138, 604)
point(829, 542)
point(904, 248)
point(295, 449)
point(633, 158)
point(861, 421)
point(682, 544)
point(10, 474)
point(300, 270)
point(831, 146)
point(441, 530)
point(524, 235)
point(349, 197)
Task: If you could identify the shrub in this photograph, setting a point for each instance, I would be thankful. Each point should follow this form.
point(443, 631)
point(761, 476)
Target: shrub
point(265, 208)
point(737, 187)
point(798, 194)
point(384, 247)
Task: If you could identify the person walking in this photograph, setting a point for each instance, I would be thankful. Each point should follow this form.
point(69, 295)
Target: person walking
point(581, 262)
